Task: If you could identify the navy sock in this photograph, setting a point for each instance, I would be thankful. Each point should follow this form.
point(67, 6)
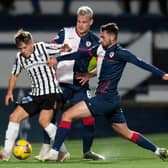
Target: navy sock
point(88, 134)
point(140, 140)
point(46, 138)
point(61, 134)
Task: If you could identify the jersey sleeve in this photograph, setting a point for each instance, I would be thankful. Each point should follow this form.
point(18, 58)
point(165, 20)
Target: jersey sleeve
point(16, 68)
point(80, 54)
point(52, 49)
point(59, 38)
point(131, 58)
point(75, 56)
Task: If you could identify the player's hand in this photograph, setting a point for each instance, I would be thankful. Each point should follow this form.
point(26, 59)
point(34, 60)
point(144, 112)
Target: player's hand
point(65, 48)
point(9, 97)
point(52, 61)
point(165, 77)
point(82, 77)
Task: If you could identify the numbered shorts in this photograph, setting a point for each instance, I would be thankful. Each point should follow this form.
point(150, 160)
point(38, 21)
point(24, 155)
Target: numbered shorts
point(73, 96)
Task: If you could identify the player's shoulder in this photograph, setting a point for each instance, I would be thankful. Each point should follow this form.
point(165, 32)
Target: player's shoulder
point(39, 42)
point(93, 35)
point(120, 48)
point(18, 54)
point(69, 29)
point(122, 51)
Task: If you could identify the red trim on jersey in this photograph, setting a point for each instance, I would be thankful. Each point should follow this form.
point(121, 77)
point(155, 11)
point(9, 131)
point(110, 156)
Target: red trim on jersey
point(88, 121)
point(134, 137)
point(90, 52)
point(65, 124)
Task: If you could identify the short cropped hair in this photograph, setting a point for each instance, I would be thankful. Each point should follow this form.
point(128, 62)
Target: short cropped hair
point(110, 28)
point(85, 10)
point(22, 36)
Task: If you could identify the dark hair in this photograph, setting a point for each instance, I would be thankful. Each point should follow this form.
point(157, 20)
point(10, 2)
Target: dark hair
point(22, 36)
point(110, 28)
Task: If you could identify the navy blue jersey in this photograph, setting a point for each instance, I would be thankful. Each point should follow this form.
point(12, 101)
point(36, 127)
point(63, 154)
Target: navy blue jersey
point(66, 69)
point(112, 67)
point(111, 64)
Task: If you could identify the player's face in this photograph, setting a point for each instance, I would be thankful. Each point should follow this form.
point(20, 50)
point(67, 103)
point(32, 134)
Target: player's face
point(83, 24)
point(26, 49)
point(107, 40)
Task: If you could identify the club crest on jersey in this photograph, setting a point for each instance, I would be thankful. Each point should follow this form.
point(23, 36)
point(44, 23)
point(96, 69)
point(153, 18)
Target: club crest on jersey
point(88, 43)
point(111, 54)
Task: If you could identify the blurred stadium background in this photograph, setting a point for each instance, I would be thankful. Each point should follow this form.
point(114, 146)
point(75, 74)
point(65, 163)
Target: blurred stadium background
point(145, 97)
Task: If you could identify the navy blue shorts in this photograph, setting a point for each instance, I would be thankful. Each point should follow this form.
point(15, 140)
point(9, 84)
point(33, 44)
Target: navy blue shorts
point(112, 110)
point(73, 96)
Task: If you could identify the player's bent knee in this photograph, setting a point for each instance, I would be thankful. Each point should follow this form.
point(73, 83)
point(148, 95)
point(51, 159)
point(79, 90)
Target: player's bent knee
point(43, 122)
point(15, 118)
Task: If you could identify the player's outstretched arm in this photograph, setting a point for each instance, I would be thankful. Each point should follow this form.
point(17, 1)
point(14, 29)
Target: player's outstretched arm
point(11, 86)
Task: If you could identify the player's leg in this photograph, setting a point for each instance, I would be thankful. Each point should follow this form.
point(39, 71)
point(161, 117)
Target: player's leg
point(88, 131)
point(78, 111)
point(45, 118)
point(12, 131)
point(135, 137)
point(88, 136)
point(139, 139)
point(46, 146)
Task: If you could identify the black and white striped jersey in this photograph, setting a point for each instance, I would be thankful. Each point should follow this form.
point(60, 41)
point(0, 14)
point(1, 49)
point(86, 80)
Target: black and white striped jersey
point(43, 78)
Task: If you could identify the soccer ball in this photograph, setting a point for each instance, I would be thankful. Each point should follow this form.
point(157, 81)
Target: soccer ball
point(22, 149)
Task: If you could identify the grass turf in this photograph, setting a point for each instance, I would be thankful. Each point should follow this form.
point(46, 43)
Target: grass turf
point(120, 153)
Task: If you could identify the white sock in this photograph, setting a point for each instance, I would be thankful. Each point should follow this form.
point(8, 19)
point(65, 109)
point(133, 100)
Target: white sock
point(10, 137)
point(157, 151)
point(51, 131)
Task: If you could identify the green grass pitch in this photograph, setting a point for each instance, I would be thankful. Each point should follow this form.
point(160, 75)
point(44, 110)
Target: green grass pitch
point(120, 153)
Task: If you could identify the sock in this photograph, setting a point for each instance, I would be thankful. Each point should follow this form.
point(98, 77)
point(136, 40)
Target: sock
point(63, 129)
point(157, 151)
point(46, 138)
point(51, 130)
point(10, 137)
point(88, 133)
point(140, 140)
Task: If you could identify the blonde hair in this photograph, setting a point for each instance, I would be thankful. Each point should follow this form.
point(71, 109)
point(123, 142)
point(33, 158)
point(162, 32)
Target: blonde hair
point(85, 10)
point(22, 36)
